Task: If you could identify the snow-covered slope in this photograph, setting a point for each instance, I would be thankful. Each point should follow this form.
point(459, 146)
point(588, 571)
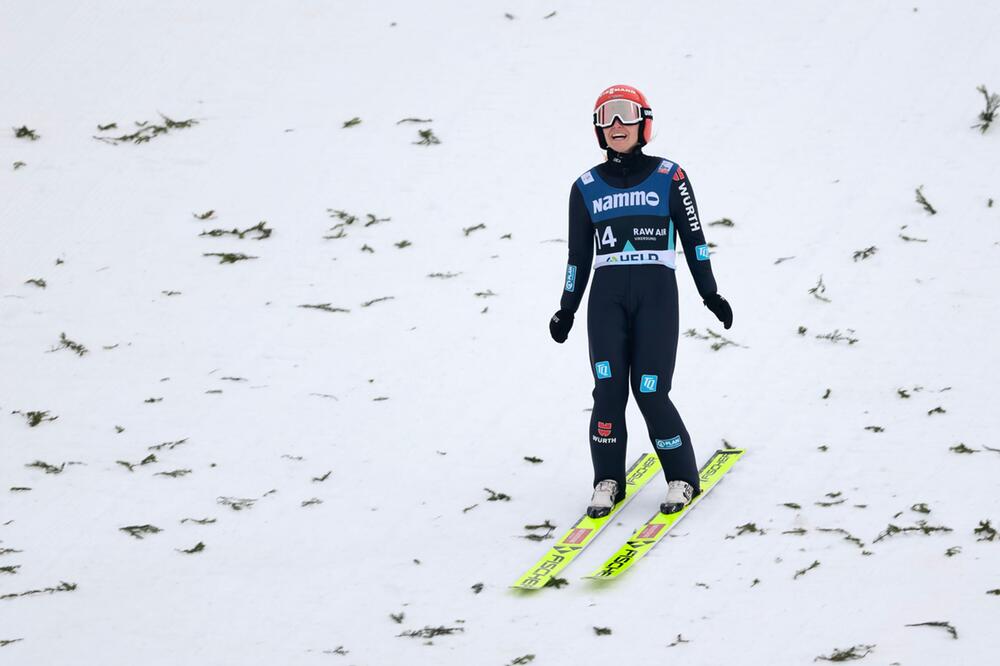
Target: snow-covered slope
point(809, 125)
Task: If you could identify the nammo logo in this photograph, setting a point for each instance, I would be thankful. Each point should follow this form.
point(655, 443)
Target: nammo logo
point(620, 199)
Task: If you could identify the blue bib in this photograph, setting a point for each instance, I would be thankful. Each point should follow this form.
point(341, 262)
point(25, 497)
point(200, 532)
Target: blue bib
point(648, 198)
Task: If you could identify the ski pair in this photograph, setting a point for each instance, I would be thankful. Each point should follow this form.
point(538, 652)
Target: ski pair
point(642, 541)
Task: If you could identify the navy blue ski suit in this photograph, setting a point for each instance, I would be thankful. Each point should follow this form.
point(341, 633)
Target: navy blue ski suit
point(632, 208)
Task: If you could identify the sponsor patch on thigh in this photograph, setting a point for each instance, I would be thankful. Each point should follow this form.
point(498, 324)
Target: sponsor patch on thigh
point(672, 443)
point(648, 384)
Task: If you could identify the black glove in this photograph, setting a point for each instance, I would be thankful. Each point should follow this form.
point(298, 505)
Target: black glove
point(560, 324)
point(720, 308)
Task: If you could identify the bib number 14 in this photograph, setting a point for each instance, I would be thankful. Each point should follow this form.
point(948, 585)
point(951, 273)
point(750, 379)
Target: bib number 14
point(607, 239)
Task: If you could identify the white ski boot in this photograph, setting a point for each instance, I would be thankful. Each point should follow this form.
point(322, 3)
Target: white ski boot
point(679, 493)
point(604, 498)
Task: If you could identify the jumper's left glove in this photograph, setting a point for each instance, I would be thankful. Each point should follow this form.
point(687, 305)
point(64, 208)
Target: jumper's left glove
point(560, 324)
point(720, 308)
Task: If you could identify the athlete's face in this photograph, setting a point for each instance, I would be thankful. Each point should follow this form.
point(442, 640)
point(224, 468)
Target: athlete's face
point(621, 138)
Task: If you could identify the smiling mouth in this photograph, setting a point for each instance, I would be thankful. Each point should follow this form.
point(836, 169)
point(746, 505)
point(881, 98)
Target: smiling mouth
point(619, 136)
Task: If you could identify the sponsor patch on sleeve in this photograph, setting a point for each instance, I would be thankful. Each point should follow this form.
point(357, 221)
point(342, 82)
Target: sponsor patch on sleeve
point(701, 252)
point(679, 174)
point(587, 178)
point(570, 277)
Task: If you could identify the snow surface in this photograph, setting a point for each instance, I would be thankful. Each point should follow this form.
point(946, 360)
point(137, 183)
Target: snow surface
point(809, 125)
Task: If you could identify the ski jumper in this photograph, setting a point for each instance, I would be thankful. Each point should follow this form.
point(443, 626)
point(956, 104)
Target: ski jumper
point(632, 207)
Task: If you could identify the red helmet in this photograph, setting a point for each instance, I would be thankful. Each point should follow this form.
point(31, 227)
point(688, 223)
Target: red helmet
point(637, 112)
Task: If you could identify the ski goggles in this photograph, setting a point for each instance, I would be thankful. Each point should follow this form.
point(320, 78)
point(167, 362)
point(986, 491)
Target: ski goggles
point(625, 110)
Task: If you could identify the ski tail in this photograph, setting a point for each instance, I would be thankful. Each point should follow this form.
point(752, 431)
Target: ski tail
point(650, 534)
point(586, 528)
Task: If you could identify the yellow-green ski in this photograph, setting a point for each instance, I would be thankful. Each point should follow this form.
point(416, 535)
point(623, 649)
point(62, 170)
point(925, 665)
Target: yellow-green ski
point(647, 536)
point(583, 532)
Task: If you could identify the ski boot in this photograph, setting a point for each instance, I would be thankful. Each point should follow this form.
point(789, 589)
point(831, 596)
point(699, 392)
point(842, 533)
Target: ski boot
point(679, 493)
point(604, 498)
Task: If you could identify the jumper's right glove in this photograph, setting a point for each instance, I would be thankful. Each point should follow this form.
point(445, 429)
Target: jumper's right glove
point(560, 324)
point(720, 308)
